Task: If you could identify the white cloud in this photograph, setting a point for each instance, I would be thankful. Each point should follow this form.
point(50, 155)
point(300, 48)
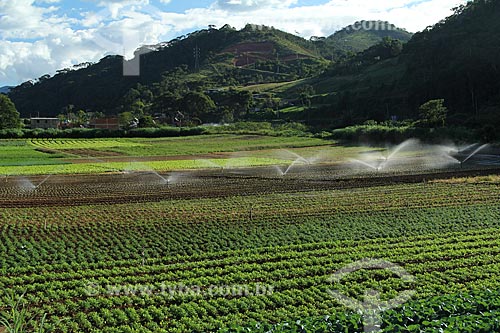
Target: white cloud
point(22, 19)
point(36, 39)
point(25, 61)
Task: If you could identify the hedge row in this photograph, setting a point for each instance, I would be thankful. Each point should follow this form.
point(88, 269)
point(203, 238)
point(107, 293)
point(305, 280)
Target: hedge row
point(379, 133)
point(100, 133)
point(256, 128)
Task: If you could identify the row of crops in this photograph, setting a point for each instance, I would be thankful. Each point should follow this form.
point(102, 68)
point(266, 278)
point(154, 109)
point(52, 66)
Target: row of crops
point(182, 227)
point(68, 144)
point(123, 167)
point(21, 247)
point(37, 156)
point(200, 265)
point(151, 186)
point(182, 146)
point(466, 312)
point(17, 153)
point(174, 294)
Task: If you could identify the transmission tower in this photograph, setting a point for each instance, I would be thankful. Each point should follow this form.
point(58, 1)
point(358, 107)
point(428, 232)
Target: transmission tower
point(196, 53)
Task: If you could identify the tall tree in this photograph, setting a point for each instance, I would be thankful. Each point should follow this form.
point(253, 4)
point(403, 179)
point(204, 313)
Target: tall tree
point(9, 117)
point(199, 105)
point(433, 113)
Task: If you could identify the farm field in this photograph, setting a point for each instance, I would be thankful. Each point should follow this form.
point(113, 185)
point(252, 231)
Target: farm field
point(96, 156)
point(253, 248)
point(20, 152)
point(173, 146)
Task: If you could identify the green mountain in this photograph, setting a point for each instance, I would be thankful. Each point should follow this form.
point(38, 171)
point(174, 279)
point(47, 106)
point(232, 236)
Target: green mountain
point(209, 58)
point(362, 35)
point(202, 60)
point(456, 60)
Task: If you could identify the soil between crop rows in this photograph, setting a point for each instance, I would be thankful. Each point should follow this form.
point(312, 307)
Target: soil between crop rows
point(76, 190)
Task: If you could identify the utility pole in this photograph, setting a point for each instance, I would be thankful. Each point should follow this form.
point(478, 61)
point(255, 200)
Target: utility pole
point(196, 53)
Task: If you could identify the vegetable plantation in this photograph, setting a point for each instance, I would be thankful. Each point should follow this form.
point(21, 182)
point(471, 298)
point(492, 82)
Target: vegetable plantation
point(243, 250)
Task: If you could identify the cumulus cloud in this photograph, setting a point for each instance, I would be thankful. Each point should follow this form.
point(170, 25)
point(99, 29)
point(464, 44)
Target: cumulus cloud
point(37, 37)
point(23, 19)
point(24, 61)
point(35, 41)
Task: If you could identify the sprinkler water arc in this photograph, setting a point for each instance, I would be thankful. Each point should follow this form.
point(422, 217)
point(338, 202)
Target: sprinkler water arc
point(463, 161)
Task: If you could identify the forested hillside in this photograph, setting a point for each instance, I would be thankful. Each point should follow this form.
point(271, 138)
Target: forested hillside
point(457, 60)
point(366, 71)
point(204, 60)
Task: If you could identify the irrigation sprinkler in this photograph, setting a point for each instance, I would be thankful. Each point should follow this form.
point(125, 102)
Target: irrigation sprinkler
point(458, 152)
point(382, 162)
point(149, 170)
point(299, 160)
point(418, 155)
point(163, 179)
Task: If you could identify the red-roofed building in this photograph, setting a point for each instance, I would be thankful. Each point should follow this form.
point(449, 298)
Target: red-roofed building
point(105, 123)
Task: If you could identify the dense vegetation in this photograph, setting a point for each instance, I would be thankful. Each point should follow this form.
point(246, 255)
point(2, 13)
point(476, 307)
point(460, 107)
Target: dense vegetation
point(455, 60)
point(363, 72)
point(9, 117)
point(248, 127)
point(227, 58)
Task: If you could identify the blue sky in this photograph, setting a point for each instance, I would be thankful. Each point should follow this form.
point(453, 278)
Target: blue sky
point(39, 37)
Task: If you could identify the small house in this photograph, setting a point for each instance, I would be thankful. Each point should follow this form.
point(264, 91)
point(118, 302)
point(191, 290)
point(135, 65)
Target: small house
point(45, 123)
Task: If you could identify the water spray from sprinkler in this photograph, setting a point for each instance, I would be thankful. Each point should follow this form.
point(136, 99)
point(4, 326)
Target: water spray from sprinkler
point(382, 162)
point(462, 151)
point(475, 152)
point(43, 181)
